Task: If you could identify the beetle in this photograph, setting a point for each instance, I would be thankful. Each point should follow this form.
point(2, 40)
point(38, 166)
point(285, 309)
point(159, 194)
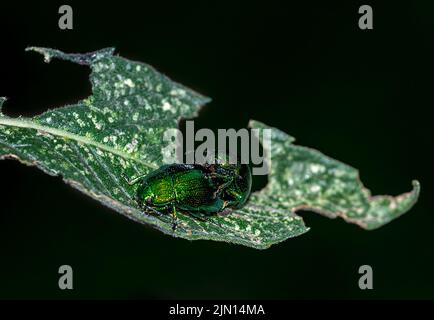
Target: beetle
point(236, 180)
point(197, 190)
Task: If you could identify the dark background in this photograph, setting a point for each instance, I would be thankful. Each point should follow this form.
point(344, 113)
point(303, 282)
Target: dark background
point(360, 96)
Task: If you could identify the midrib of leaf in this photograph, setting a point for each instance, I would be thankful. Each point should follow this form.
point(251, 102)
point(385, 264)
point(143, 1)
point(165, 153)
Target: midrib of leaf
point(65, 134)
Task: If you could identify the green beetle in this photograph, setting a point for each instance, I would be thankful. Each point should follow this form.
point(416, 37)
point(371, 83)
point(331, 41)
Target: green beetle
point(197, 190)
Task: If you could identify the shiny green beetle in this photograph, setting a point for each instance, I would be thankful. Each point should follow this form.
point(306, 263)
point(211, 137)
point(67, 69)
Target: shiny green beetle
point(197, 190)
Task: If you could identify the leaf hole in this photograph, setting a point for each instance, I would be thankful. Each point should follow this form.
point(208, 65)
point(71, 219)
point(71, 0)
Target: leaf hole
point(37, 87)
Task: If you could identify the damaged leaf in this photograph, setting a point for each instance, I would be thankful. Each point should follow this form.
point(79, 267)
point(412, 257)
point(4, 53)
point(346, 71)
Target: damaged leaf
point(118, 132)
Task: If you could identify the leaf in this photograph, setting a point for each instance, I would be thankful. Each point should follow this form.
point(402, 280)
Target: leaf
point(118, 131)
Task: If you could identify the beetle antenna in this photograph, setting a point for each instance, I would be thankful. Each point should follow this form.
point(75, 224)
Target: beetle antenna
point(133, 181)
point(162, 216)
point(153, 210)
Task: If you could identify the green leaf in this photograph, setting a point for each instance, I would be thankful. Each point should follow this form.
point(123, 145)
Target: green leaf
point(118, 132)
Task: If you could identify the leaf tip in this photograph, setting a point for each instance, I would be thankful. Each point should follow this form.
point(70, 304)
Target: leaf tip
point(413, 195)
point(44, 51)
point(79, 58)
point(416, 186)
point(389, 208)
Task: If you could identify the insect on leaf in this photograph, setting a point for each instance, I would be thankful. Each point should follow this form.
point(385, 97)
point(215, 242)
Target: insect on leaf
point(118, 132)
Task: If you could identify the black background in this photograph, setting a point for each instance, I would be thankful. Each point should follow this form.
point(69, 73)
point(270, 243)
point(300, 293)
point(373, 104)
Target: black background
point(360, 96)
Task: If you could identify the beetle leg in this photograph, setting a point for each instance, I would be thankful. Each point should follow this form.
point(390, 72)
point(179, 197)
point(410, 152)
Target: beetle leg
point(134, 180)
point(220, 176)
point(224, 185)
point(162, 215)
point(224, 212)
point(174, 218)
point(158, 213)
point(234, 194)
point(198, 216)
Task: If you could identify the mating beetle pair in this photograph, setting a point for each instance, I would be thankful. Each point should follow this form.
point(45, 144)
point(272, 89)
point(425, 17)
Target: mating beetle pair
point(193, 189)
